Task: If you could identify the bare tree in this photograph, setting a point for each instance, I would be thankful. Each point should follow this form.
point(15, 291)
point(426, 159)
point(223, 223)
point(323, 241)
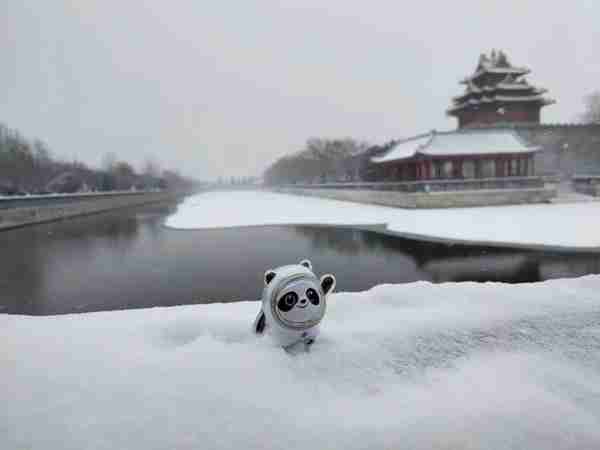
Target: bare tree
point(150, 174)
point(592, 108)
point(321, 160)
point(109, 161)
point(151, 168)
point(28, 166)
point(43, 165)
point(124, 174)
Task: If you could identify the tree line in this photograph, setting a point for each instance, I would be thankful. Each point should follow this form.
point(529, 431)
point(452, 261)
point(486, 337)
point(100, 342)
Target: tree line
point(320, 161)
point(28, 167)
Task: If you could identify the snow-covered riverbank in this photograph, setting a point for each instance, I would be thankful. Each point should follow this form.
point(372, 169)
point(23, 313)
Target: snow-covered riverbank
point(420, 366)
point(555, 225)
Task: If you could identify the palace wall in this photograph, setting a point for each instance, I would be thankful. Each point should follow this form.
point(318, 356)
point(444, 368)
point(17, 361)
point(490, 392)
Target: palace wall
point(490, 116)
point(566, 149)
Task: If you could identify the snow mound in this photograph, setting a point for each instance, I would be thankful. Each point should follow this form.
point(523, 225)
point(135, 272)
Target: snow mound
point(556, 225)
point(420, 366)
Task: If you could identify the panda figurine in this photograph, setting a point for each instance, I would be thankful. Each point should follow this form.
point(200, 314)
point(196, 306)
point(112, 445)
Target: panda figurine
point(293, 305)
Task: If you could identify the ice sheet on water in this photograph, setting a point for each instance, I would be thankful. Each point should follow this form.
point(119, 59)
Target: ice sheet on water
point(568, 225)
point(458, 365)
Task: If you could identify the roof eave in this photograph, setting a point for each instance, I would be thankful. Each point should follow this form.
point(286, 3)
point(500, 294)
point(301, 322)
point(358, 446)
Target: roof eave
point(515, 70)
point(392, 160)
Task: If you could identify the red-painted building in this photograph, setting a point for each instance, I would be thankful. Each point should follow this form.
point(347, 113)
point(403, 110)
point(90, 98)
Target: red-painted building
point(484, 146)
point(461, 154)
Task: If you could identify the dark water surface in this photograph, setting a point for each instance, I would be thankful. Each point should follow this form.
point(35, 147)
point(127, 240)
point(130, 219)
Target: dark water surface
point(128, 259)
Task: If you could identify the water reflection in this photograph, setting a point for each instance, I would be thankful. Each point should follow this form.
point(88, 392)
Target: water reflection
point(514, 268)
point(128, 259)
point(456, 262)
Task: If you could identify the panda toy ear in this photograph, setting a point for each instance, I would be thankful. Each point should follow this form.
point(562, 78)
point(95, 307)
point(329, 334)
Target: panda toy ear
point(327, 283)
point(269, 275)
point(306, 263)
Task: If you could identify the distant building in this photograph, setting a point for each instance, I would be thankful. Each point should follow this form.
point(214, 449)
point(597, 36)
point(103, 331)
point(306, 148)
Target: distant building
point(499, 135)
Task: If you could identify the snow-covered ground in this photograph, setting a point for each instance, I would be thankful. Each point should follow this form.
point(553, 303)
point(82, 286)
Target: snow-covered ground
point(415, 366)
point(559, 225)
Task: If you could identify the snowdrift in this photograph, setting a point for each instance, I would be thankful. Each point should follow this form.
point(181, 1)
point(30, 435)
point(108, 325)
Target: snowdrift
point(420, 366)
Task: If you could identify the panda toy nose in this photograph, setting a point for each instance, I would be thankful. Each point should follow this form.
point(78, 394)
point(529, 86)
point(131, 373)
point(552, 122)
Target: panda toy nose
point(302, 301)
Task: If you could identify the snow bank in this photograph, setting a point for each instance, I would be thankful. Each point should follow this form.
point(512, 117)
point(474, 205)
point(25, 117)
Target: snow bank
point(559, 225)
point(415, 366)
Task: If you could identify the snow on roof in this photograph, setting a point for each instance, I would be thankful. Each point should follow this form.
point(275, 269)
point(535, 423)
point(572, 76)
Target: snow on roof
point(514, 86)
point(538, 97)
point(524, 88)
point(404, 149)
point(499, 70)
point(463, 142)
point(476, 142)
point(514, 98)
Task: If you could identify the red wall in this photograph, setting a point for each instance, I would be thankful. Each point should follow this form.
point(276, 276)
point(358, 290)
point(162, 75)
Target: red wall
point(512, 113)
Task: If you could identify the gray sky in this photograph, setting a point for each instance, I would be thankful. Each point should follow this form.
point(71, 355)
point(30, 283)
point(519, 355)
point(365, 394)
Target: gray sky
point(216, 88)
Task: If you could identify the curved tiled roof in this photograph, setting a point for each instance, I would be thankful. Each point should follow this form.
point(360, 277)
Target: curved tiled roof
point(506, 85)
point(462, 142)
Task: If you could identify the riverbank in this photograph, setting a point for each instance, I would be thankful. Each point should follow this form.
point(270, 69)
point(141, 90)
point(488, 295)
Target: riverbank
point(23, 211)
point(557, 227)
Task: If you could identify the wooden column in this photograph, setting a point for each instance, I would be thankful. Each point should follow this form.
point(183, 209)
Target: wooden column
point(457, 168)
point(500, 167)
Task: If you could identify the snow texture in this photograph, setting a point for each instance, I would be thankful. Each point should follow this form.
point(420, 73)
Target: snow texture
point(463, 142)
point(556, 225)
point(419, 366)
point(404, 149)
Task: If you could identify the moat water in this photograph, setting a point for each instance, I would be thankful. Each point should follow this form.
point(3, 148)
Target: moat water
point(129, 259)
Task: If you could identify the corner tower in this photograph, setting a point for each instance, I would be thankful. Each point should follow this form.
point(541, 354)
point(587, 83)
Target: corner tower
point(498, 93)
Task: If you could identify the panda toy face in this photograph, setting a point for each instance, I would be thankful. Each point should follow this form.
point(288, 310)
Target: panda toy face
point(298, 304)
point(293, 304)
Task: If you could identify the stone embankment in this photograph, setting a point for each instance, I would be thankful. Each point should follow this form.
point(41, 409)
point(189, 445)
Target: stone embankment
point(444, 199)
point(29, 211)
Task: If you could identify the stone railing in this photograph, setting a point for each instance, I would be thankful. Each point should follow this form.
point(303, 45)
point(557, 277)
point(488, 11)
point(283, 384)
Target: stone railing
point(15, 201)
point(31, 210)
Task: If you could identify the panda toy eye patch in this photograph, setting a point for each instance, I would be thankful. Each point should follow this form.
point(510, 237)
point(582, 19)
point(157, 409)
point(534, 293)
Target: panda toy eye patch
point(287, 301)
point(312, 296)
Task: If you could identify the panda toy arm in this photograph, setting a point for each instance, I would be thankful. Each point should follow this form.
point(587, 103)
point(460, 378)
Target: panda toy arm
point(260, 323)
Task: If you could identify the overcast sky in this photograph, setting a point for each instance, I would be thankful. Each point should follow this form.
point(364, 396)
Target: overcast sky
point(226, 87)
